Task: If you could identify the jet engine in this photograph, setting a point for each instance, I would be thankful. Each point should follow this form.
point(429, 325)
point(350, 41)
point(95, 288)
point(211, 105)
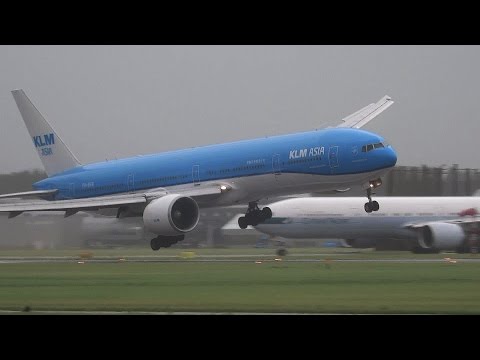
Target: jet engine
point(171, 215)
point(440, 236)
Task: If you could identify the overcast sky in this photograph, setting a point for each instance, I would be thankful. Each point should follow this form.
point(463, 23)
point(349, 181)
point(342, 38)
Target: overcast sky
point(109, 102)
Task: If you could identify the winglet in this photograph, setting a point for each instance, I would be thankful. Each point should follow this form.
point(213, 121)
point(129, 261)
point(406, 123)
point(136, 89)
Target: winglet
point(369, 112)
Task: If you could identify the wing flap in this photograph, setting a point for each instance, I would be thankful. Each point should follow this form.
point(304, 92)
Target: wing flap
point(196, 191)
point(78, 204)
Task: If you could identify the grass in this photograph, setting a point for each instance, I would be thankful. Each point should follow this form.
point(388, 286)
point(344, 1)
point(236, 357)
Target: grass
point(334, 287)
point(131, 252)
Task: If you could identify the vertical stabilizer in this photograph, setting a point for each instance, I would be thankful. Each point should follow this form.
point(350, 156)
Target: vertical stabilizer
point(54, 154)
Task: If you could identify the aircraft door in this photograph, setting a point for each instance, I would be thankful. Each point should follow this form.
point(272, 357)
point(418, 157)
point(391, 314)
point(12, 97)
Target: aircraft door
point(276, 164)
point(333, 156)
point(131, 182)
point(196, 174)
point(71, 190)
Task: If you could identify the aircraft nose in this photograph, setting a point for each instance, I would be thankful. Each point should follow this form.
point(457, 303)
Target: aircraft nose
point(390, 157)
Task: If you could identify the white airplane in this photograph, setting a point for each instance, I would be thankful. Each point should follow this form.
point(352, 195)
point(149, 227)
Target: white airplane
point(168, 189)
point(430, 224)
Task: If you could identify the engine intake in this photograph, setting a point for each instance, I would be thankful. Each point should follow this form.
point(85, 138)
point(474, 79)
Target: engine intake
point(171, 215)
point(440, 236)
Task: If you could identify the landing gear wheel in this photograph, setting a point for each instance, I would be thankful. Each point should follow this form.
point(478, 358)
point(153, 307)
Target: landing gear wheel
point(266, 213)
point(254, 215)
point(242, 222)
point(155, 244)
point(282, 252)
point(169, 242)
point(372, 205)
point(368, 207)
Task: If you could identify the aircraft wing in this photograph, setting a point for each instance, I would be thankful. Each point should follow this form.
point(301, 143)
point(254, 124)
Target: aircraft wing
point(95, 203)
point(459, 221)
point(35, 193)
point(99, 202)
point(369, 112)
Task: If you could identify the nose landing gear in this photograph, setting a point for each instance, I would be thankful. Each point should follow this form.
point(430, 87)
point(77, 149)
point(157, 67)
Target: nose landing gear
point(372, 205)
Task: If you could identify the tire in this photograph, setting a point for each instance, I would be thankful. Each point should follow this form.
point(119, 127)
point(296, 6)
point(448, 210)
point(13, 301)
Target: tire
point(420, 250)
point(367, 207)
point(242, 222)
point(266, 213)
point(155, 244)
point(282, 252)
point(375, 205)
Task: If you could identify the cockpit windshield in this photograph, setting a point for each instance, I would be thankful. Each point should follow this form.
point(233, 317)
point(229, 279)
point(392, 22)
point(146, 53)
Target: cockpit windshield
point(370, 147)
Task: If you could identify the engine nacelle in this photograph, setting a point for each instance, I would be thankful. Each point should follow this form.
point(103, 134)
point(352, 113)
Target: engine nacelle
point(440, 236)
point(359, 243)
point(171, 215)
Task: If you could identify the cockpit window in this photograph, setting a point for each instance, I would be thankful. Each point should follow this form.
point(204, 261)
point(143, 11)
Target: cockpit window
point(370, 147)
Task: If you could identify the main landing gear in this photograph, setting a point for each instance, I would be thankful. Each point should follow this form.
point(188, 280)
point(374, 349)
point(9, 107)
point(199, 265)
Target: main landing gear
point(372, 205)
point(165, 241)
point(254, 215)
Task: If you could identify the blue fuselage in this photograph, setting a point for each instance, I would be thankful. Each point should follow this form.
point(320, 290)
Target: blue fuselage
point(330, 152)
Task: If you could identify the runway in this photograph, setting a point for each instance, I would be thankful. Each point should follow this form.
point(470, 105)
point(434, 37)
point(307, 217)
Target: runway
point(222, 259)
point(15, 312)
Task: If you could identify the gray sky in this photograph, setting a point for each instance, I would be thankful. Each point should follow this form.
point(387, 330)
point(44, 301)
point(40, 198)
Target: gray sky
point(109, 102)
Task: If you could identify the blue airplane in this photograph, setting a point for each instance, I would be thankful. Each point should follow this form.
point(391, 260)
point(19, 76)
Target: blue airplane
point(168, 189)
